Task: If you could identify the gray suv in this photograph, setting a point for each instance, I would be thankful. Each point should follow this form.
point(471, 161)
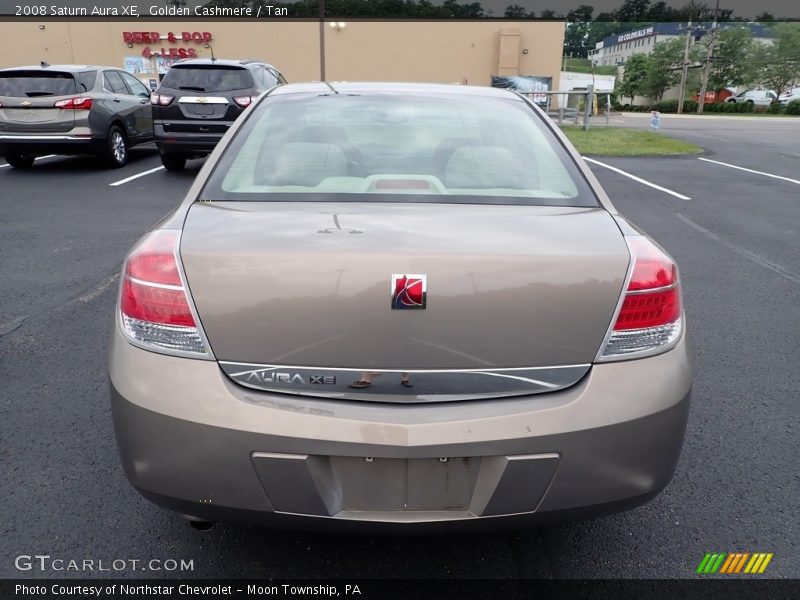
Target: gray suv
point(72, 109)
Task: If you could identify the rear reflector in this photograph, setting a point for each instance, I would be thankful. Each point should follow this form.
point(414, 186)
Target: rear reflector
point(154, 304)
point(81, 103)
point(649, 320)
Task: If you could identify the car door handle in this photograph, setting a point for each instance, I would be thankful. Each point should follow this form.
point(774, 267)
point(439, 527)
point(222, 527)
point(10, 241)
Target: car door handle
point(116, 99)
point(143, 101)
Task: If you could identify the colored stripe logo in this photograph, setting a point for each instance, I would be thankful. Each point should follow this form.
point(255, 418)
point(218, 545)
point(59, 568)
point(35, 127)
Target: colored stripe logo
point(734, 563)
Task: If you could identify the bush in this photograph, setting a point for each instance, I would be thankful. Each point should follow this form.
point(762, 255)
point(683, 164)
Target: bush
point(690, 106)
point(730, 107)
point(626, 107)
point(667, 106)
point(761, 109)
point(793, 108)
point(776, 108)
point(746, 107)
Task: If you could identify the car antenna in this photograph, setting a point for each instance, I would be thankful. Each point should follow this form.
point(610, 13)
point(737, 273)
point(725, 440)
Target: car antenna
point(44, 64)
point(213, 58)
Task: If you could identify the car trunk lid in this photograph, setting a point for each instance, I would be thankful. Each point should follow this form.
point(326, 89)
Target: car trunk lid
point(309, 286)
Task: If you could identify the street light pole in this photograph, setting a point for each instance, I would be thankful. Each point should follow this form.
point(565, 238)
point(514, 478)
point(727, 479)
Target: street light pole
point(685, 69)
point(322, 40)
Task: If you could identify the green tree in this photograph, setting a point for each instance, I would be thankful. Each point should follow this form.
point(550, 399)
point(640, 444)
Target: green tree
point(777, 65)
point(730, 63)
point(633, 10)
point(577, 34)
point(634, 77)
point(664, 69)
point(515, 11)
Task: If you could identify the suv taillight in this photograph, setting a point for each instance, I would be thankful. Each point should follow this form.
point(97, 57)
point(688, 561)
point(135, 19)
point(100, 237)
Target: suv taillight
point(243, 101)
point(649, 320)
point(154, 305)
point(81, 103)
point(161, 99)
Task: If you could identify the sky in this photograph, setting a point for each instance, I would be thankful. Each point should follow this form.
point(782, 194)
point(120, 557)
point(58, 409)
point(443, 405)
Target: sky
point(744, 8)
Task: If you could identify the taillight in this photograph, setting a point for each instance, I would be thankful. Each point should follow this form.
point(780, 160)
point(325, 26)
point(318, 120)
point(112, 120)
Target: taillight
point(154, 304)
point(82, 103)
point(649, 320)
point(243, 101)
point(161, 99)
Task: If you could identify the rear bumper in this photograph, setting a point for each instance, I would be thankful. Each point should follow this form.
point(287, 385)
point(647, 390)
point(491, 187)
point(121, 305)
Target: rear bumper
point(182, 142)
point(194, 442)
point(49, 144)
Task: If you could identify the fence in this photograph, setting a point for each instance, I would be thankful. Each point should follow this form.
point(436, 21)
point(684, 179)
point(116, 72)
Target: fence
point(566, 108)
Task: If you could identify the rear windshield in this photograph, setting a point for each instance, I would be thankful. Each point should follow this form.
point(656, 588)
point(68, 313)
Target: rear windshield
point(31, 84)
point(207, 78)
point(392, 147)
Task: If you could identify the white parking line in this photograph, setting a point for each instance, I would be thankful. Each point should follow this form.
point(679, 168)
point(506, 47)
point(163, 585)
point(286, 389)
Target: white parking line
point(132, 177)
point(37, 158)
point(756, 258)
point(639, 179)
point(716, 162)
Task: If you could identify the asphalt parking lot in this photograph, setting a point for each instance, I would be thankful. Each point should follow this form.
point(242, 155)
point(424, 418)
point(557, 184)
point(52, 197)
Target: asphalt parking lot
point(64, 230)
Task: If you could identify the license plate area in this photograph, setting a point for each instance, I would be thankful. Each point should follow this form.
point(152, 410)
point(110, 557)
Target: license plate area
point(201, 109)
point(400, 489)
point(393, 484)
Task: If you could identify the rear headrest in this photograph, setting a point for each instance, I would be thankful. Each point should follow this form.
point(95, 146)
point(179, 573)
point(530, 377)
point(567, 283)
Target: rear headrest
point(482, 167)
point(307, 164)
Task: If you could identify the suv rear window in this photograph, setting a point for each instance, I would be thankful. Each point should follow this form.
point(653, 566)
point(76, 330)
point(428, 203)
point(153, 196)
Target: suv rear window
point(397, 148)
point(31, 84)
point(211, 78)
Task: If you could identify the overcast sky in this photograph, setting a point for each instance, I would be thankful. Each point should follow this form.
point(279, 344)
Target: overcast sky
point(744, 8)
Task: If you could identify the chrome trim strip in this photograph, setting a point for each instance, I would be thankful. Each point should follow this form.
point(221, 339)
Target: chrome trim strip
point(163, 286)
point(371, 370)
point(427, 385)
point(45, 137)
point(203, 100)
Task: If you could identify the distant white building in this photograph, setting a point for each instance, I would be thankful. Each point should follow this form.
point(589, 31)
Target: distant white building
point(616, 49)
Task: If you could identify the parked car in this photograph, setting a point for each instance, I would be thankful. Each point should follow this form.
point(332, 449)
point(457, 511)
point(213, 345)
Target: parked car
point(199, 99)
point(72, 109)
point(407, 305)
point(793, 94)
point(757, 97)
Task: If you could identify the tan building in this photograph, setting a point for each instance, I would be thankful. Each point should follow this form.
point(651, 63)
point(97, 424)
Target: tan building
point(429, 51)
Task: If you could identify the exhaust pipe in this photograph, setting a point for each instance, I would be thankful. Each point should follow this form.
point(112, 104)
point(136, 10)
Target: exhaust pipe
point(202, 525)
point(198, 523)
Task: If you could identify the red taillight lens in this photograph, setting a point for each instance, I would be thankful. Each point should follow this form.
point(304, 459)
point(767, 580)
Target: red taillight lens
point(152, 290)
point(82, 103)
point(649, 320)
point(154, 303)
point(653, 297)
point(649, 310)
point(161, 99)
point(243, 101)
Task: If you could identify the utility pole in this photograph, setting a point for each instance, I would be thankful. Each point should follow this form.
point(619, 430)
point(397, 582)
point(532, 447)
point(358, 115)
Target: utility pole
point(322, 40)
point(701, 100)
point(685, 68)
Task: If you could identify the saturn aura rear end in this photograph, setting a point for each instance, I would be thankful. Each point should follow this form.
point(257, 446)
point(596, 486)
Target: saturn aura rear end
point(398, 306)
